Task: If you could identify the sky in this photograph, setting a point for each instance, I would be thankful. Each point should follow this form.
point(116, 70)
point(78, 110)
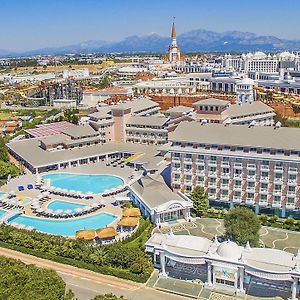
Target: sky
point(34, 24)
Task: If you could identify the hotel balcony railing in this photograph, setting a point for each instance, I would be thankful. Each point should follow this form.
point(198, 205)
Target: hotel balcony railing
point(176, 170)
point(225, 186)
point(200, 172)
point(292, 182)
point(225, 175)
point(278, 170)
point(225, 164)
point(290, 205)
point(212, 174)
point(264, 168)
point(237, 187)
point(250, 201)
point(212, 163)
point(276, 204)
point(176, 180)
point(238, 165)
point(263, 203)
point(237, 199)
point(175, 158)
point(239, 176)
point(188, 171)
point(264, 179)
point(263, 191)
point(278, 180)
point(251, 167)
point(291, 194)
point(200, 162)
point(250, 189)
point(187, 160)
point(251, 177)
point(292, 170)
point(277, 192)
point(224, 198)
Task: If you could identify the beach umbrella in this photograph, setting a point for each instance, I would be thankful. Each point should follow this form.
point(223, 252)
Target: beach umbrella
point(40, 210)
point(78, 209)
point(94, 205)
point(87, 208)
point(58, 211)
point(36, 206)
point(45, 194)
point(49, 211)
point(68, 211)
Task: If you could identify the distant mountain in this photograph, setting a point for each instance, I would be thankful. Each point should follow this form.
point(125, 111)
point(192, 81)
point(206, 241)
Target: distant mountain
point(196, 40)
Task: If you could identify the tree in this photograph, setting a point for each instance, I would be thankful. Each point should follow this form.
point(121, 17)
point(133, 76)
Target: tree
point(3, 151)
point(242, 225)
point(200, 200)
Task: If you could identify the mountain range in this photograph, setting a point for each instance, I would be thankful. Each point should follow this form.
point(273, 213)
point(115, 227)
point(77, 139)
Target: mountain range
point(193, 41)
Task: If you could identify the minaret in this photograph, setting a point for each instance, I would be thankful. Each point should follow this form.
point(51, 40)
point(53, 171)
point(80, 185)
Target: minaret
point(174, 53)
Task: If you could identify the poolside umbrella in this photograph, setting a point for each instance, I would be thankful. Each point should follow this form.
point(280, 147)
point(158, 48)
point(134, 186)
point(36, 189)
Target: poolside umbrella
point(94, 205)
point(34, 202)
point(107, 232)
point(87, 208)
point(68, 211)
point(85, 234)
point(58, 211)
point(36, 206)
point(80, 194)
point(12, 193)
point(40, 210)
point(45, 194)
point(78, 209)
point(49, 211)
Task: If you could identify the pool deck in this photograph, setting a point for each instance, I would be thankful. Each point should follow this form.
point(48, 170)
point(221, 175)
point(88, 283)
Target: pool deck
point(96, 169)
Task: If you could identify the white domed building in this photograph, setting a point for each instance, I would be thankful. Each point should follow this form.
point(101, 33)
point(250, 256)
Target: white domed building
point(226, 265)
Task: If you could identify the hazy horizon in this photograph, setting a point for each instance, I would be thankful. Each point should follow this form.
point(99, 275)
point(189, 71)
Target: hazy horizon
point(31, 24)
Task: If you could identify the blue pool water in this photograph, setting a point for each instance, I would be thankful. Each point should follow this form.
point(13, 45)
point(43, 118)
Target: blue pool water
point(1, 194)
point(84, 183)
point(65, 227)
point(64, 205)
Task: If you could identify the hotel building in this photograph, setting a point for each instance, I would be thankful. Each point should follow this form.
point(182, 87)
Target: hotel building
point(252, 165)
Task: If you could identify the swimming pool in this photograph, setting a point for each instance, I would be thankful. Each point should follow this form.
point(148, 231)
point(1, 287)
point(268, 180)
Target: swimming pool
point(65, 227)
point(84, 183)
point(63, 205)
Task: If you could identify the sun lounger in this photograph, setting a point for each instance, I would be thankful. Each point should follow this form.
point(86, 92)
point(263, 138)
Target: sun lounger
point(30, 186)
point(21, 188)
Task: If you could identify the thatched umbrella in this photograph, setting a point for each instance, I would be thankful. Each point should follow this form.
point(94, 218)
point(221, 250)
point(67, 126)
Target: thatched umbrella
point(131, 212)
point(128, 222)
point(106, 233)
point(85, 234)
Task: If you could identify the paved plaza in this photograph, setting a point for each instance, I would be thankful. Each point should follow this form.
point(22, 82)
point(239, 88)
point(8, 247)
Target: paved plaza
point(274, 238)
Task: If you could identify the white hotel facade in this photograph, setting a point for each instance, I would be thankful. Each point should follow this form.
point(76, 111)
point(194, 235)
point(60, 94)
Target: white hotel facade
point(255, 166)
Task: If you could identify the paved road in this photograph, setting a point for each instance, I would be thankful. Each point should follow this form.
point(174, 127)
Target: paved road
point(87, 284)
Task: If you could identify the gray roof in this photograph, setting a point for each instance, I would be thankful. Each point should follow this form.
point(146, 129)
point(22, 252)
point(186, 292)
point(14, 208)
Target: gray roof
point(256, 107)
point(30, 151)
point(154, 192)
point(80, 131)
point(179, 109)
point(212, 101)
point(137, 105)
point(54, 139)
point(147, 121)
point(238, 135)
point(102, 113)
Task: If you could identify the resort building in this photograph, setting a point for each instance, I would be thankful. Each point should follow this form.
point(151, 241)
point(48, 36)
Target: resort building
point(221, 111)
point(226, 265)
point(253, 165)
point(157, 201)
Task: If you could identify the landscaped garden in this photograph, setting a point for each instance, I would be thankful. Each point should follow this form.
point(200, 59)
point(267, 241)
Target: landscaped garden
point(125, 259)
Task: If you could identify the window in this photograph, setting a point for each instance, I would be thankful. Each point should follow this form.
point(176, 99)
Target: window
point(188, 188)
point(251, 172)
point(200, 168)
point(188, 155)
point(238, 183)
point(212, 180)
point(263, 197)
point(225, 181)
point(237, 193)
point(278, 175)
point(188, 167)
point(188, 177)
point(264, 186)
point(212, 169)
point(276, 199)
point(290, 200)
point(224, 192)
point(251, 184)
point(264, 174)
point(250, 195)
point(291, 188)
point(200, 156)
point(277, 187)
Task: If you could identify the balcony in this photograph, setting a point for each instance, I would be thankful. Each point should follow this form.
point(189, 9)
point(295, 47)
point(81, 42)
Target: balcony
point(277, 193)
point(176, 181)
point(278, 170)
point(264, 168)
point(188, 171)
point(225, 175)
point(212, 163)
point(276, 204)
point(212, 174)
point(251, 178)
point(263, 191)
point(263, 203)
point(237, 199)
point(292, 171)
point(176, 170)
point(200, 162)
point(264, 179)
point(237, 187)
point(224, 198)
point(249, 201)
point(278, 180)
point(290, 206)
point(238, 166)
point(251, 167)
point(292, 182)
point(175, 159)
point(225, 164)
point(187, 160)
point(224, 186)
